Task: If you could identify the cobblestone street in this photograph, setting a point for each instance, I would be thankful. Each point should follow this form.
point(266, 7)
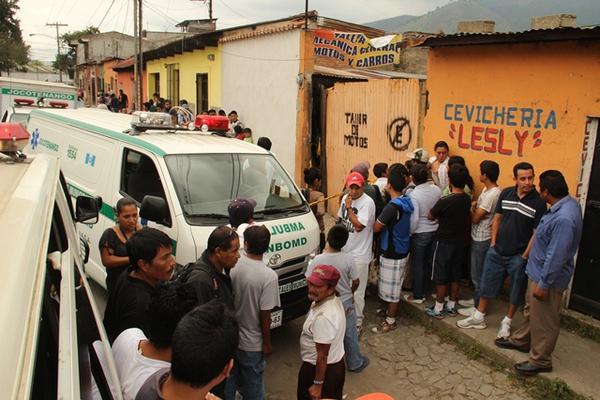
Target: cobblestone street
point(408, 363)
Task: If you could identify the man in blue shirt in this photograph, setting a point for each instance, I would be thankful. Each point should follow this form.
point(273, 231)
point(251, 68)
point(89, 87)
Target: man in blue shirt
point(549, 269)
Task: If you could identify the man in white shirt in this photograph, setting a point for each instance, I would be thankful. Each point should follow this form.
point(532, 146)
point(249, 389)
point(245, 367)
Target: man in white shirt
point(357, 214)
point(137, 356)
point(256, 290)
point(422, 229)
point(482, 214)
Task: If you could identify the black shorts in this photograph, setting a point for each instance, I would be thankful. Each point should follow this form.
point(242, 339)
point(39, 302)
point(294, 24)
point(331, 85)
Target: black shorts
point(448, 260)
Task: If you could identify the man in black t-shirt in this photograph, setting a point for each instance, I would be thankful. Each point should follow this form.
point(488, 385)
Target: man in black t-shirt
point(152, 261)
point(518, 213)
point(453, 215)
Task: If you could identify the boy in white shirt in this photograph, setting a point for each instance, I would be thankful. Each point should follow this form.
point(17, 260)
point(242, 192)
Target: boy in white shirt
point(357, 214)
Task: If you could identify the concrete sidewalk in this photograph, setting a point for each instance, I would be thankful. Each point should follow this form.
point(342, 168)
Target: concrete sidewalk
point(575, 360)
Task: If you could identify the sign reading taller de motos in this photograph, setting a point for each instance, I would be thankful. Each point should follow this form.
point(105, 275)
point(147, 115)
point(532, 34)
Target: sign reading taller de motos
point(37, 94)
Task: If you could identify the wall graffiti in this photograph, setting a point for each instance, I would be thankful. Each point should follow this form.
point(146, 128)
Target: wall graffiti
point(356, 120)
point(505, 130)
point(586, 164)
point(400, 134)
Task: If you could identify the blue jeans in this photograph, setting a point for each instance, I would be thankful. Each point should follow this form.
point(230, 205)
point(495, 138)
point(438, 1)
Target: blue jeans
point(478, 252)
point(354, 359)
point(495, 268)
point(247, 376)
point(420, 256)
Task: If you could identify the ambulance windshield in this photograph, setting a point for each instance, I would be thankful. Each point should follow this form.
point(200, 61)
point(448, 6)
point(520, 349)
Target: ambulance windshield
point(206, 183)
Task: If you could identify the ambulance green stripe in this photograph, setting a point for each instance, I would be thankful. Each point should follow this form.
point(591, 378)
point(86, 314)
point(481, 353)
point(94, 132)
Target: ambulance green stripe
point(102, 131)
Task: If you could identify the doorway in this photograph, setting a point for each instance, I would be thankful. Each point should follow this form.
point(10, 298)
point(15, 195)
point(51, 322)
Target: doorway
point(201, 93)
point(585, 294)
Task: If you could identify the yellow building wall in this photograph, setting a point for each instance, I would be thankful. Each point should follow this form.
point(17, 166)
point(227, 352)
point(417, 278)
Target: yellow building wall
point(512, 103)
point(190, 64)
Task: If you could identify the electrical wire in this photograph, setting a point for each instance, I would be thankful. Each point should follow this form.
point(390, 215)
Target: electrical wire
point(126, 16)
point(160, 13)
point(51, 9)
point(94, 13)
point(107, 11)
point(115, 19)
point(266, 59)
point(235, 12)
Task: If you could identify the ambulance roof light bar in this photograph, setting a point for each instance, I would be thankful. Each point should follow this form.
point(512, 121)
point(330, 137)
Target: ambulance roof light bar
point(13, 139)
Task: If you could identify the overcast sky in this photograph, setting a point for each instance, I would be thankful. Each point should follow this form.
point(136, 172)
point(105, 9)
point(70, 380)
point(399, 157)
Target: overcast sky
point(162, 15)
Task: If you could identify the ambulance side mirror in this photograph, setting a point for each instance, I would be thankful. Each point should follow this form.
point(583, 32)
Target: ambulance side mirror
point(87, 209)
point(154, 208)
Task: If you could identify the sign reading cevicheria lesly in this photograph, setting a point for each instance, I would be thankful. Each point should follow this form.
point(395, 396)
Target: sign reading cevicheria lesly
point(501, 129)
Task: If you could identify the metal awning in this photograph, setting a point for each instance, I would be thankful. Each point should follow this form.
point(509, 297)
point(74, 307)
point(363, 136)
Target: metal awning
point(364, 74)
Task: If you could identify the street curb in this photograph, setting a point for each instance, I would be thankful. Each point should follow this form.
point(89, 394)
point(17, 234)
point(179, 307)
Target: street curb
point(540, 387)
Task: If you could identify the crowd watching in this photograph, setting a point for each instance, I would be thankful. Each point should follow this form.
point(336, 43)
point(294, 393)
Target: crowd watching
point(203, 330)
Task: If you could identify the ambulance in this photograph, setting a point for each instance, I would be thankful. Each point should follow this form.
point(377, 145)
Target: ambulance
point(52, 330)
point(183, 182)
point(19, 96)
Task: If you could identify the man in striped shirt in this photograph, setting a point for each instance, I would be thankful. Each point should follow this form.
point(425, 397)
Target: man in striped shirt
point(518, 213)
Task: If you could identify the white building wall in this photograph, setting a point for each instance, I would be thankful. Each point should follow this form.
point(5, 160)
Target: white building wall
point(259, 82)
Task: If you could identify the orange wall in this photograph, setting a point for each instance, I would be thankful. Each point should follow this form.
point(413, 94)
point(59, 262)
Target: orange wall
point(558, 81)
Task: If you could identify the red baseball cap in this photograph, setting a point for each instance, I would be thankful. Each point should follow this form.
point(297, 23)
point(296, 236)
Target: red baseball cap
point(355, 178)
point(324, 275)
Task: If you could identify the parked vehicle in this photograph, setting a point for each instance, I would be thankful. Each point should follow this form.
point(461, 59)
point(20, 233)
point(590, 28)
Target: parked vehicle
point(19, 96)
point(48, 315)
point(183, 181)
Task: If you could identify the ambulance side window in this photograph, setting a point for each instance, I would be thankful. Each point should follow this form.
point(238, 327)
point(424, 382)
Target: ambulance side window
point(139, 176)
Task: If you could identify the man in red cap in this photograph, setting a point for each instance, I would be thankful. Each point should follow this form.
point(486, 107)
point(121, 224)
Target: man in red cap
point(357, 214)
point(323, 372)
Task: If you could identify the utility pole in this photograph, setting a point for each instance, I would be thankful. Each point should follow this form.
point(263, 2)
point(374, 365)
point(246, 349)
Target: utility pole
point(210, 8)
point(306, 15)
point(57, 24)
point(140, 71)
point(136, 99)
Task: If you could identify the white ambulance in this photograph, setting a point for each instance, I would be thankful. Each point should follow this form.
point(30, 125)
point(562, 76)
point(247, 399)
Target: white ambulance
point(48, 315)
point(183, 182)
point(19, 96)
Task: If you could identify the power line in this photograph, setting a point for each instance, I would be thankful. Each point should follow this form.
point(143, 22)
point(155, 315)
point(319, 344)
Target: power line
point(107, 11)
point(94, 13)
point(126, 16)
point(160, 13)
point(235, 12)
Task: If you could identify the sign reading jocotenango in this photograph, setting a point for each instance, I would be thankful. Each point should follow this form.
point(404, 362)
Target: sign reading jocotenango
point(355, 49)
point(37, 94)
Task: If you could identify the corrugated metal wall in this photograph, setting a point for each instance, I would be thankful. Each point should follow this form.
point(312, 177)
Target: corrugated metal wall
point(375, 121)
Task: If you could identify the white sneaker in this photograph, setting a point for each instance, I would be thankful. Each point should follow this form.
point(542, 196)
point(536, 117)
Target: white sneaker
point(434, 296)
point(504, 331)
point(411, 299)
point(471, 322)
point(467, 311)
point(467, 302)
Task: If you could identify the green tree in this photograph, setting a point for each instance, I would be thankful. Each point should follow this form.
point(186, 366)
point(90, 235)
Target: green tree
point(67, 62)
point(13, 51)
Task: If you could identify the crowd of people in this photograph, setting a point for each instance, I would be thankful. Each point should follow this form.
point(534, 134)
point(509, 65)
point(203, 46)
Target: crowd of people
point(430, 234)
point(203, 329)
